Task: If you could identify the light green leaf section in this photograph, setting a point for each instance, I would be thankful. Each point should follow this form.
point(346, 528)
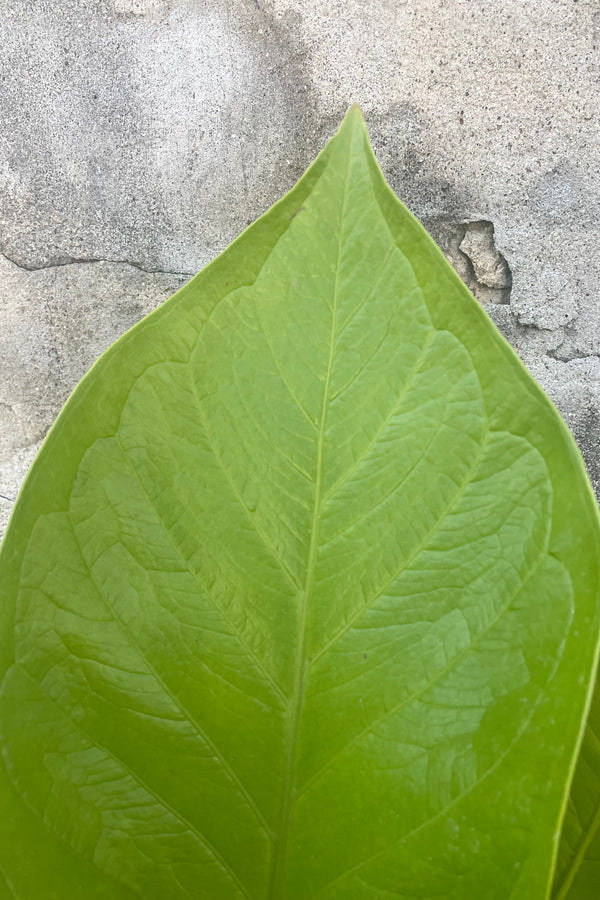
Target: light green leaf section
point(300, 598)
point(578, 868)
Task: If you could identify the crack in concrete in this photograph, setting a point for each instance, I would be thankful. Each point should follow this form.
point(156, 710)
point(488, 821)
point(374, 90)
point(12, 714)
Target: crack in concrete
point(63, 262)
point(456, 253)
point(9, 499)
point(570, 357)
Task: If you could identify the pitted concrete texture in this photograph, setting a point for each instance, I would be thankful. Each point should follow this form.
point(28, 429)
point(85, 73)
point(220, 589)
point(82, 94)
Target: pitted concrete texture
point(139, 137)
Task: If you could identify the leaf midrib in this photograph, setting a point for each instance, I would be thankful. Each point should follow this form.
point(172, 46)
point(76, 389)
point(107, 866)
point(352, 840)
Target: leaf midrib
point(298, 695)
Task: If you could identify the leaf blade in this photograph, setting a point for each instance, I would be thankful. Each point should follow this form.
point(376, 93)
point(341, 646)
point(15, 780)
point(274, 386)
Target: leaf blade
point(576, 876)
point(227, 596)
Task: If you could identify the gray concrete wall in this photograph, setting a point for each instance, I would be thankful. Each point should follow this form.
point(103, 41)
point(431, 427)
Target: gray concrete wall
point(139, 137)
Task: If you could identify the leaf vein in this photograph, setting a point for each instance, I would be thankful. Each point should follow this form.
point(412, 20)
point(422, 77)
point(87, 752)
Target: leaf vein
point(219, 858)
point(445, 809)
point(238, 634)
point(177, 702)
point(256, 528)
point(406, 563)
point(420, 691)
point(361, 459)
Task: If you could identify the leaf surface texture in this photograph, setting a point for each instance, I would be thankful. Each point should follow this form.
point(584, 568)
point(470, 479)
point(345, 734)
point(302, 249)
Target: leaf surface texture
point(300, 597)
point(578, 869)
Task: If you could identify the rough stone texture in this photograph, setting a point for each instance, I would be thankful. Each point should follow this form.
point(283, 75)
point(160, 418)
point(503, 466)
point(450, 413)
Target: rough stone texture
point(471, 248)
point(139, 137)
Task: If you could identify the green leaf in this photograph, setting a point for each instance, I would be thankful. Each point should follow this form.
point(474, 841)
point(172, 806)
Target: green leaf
point(300, 598)
point(578, 867)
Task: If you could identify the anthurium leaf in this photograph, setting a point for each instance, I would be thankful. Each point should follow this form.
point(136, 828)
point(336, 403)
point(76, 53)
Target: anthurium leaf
point(578, 867)
point(300, 598)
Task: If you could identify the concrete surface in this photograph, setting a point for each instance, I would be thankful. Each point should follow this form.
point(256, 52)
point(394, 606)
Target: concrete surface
point(138, 137)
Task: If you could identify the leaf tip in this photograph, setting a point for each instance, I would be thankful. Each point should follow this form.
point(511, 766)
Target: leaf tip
point(352, 123)
point(355, 114)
